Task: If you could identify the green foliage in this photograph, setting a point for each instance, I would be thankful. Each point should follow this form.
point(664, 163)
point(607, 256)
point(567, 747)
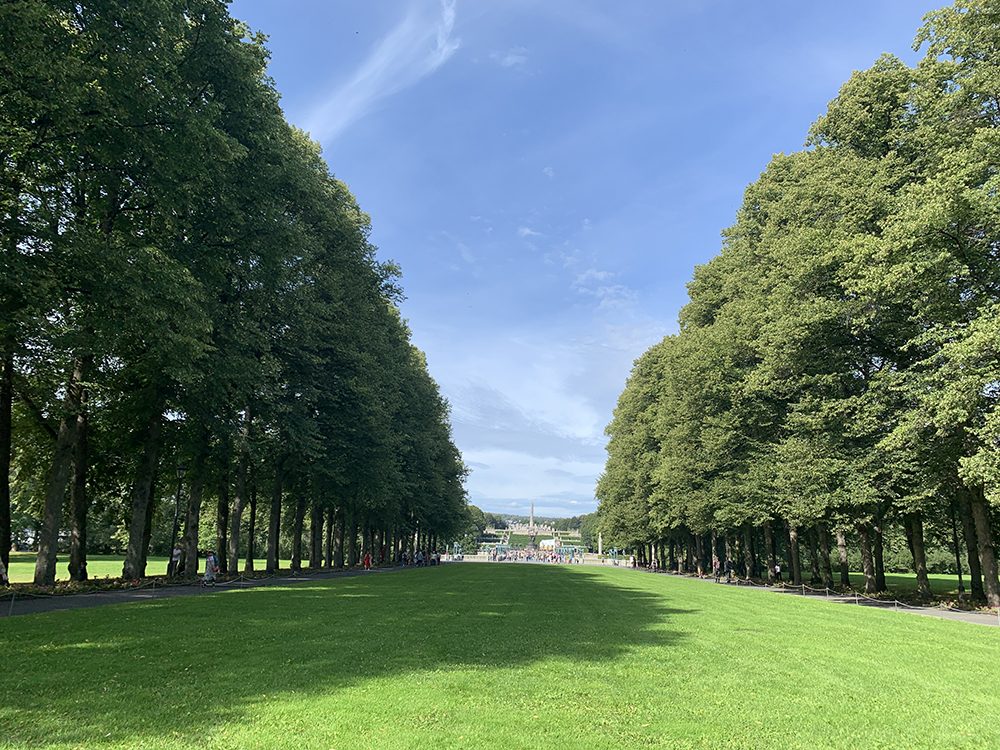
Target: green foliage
point(837, 361)
point(229, 308)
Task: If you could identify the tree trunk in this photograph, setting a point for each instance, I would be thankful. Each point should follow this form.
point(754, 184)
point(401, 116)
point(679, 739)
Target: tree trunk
point(316, 536)
point(878, 553)
point(715, 550)
point(914, 528)
point(300, 516)
point(134, 567)
point(845, 569)
point(338, 540)
point(867, 564)
point(793, 549)
point(55, 493)
point(972, 546)
point(79, 503)
point(813, 540)
point(958, 550)
point(787, 568)
point(192, 515)
point(274, 522)
point(251, 530)
point(824, 555)
point(6, 435)
point(772, 560)
point(147, 526)
point(330, 520)
point(240, 499)
point(366, 547)
point(748, 556)
point(222, 522)
point(352, 541)
point(987, 555)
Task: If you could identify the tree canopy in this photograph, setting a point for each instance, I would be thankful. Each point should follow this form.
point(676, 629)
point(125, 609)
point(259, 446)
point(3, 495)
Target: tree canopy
point(184, 283)
point(836, 366)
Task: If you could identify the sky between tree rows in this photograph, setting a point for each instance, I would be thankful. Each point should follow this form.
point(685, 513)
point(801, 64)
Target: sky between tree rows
point(548, 173)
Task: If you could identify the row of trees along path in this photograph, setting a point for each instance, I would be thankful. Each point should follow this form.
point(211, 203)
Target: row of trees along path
point(836, 373)
point(183, 282)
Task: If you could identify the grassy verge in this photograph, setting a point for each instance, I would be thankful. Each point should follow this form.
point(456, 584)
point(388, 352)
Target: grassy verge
point(22, 566)
point(517, 656)
point(905, 584)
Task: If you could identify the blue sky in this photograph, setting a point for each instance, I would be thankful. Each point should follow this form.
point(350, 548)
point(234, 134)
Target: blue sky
point(548, 173)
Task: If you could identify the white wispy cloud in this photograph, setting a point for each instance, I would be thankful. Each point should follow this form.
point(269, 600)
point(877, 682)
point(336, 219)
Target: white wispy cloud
point(415, 48)
point(592, 274)
point(465, 252)
point(613, 296)
point(513, 56)
point(549, 172)
point(526, 232)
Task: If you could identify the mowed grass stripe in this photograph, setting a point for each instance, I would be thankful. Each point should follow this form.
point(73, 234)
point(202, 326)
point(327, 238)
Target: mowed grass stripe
point(515, 656)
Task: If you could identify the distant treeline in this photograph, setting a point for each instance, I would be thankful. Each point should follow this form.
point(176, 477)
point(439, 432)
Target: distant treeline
point(191, 308)
point(836, 375)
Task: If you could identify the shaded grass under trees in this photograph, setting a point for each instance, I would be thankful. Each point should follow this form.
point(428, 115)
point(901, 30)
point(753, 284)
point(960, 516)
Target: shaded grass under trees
point(511, 656)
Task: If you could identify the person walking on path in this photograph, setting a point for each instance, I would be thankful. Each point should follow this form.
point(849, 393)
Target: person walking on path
point(777, 572)
point(211, 569)
point(368, 561)
point(175, 561)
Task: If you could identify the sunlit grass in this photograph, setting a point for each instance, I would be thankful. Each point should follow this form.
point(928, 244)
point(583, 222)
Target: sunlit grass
point(906, 583)
point(22, 566)
point(511, 656)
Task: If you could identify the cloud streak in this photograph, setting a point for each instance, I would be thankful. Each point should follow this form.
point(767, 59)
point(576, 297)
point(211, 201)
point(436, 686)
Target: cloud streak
point(514, 56)
point(415, 48)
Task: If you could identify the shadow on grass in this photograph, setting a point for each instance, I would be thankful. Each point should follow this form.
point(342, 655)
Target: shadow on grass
point(183, 666)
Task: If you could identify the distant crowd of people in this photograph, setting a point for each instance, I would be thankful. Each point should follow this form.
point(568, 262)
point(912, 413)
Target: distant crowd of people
point(420, 559)
point(521, 555)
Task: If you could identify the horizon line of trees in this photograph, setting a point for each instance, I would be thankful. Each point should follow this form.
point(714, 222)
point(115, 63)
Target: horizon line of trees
point(184, 284)
point(836, 372)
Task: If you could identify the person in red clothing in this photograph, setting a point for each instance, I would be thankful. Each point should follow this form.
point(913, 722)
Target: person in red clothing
point(368, 561)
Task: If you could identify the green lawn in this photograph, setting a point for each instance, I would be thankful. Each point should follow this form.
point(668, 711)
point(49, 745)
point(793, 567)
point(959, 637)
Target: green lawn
point(22, 566)
point(906, 583)
point(507, 656)
point(22, 570)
